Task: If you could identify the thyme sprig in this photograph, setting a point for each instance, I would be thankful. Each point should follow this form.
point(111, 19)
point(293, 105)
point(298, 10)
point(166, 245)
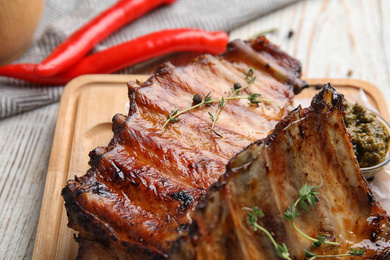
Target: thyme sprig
point(253, 99)
point(307, 194)
point(353, 252)
point(250, 78)
point(172, 117)
point(281, 249)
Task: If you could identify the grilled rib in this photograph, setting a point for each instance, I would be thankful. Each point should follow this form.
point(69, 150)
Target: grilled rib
point(143, 188)
point(310, 146)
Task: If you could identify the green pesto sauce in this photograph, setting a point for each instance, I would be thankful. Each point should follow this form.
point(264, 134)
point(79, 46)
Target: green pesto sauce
point(370, 138)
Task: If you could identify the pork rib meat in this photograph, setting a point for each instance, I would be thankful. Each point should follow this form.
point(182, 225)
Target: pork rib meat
point(310, 146)
point(142, 189)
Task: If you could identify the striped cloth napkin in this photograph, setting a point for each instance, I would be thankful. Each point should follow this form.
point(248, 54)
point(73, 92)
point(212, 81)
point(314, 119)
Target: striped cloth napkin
point(61, 18)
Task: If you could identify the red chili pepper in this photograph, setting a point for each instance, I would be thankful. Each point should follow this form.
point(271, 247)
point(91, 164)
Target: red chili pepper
point(128, 53)
point(26, 72)
point(152, 45)
point(84, 39)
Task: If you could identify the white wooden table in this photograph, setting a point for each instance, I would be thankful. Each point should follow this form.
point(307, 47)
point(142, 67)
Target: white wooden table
point(332, 38)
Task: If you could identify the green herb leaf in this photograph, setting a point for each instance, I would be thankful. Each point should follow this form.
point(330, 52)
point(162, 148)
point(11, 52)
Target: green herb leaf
point(291, 213)
point(252, 98)
point(357, 252)
point(308, 193)
point(173, 112)
point(221, 103)
point(309, 254)
point(211, 117)
point(172, 115)
point(249, 76)
point(303, 205)
point(174, 120)
point(251, 80)
point(207, 99)
point(258, 212)
point(282, 251)
point(254, 215)
point(251, 71)
point(312, 200)
point(320, 241)
point(218, 134)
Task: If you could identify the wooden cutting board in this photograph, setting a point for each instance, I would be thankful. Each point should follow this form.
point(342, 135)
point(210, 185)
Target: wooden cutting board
point(87, 106)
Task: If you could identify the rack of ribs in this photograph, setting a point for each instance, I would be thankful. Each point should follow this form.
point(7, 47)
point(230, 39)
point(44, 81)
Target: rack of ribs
point(308, 147)
point(142, 190)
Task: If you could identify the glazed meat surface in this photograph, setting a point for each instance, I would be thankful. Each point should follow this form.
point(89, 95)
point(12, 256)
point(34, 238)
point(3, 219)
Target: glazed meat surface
point(142, 189)
point(308, 147)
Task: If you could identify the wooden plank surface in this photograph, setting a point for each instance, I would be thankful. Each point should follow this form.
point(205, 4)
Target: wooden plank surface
point(84, 123)
point(24, 154)
point(332, 38)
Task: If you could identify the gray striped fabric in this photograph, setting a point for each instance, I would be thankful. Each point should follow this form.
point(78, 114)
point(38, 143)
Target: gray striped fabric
point(61, 18)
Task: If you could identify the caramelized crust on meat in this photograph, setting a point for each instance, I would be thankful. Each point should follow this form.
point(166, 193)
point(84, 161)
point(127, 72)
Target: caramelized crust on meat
point(142, 189)
point(310, 146)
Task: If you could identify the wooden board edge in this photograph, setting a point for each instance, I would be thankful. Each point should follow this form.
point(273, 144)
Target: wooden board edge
point(369, 88)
